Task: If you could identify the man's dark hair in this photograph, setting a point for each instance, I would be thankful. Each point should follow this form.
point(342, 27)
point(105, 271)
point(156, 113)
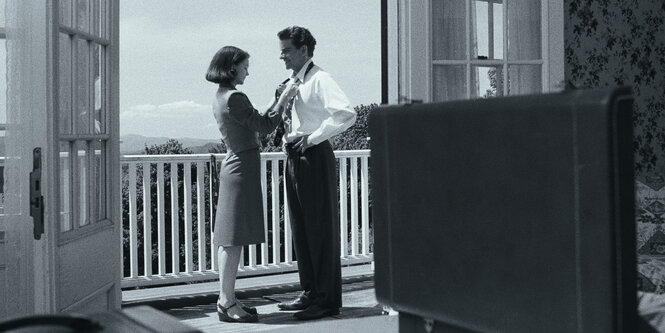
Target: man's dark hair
point(221, 69)
point(299, 36)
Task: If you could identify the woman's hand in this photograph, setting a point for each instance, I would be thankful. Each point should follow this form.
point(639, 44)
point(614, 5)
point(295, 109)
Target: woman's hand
point(290, 90)
point(283, 94)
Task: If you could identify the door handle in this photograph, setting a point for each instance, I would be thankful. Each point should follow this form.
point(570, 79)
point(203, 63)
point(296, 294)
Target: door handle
point(36, 198)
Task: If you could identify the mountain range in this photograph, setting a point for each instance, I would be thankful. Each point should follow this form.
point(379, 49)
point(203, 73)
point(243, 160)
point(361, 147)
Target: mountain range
point(132, 144)
point(135, 144)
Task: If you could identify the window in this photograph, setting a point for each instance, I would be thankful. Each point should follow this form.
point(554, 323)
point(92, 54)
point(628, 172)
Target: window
point(478, 48)
point(82, 112)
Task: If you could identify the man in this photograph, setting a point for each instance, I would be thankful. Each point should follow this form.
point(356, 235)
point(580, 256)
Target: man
point(319, 111)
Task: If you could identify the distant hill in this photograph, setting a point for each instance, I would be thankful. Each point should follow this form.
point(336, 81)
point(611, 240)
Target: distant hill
point(135, 144)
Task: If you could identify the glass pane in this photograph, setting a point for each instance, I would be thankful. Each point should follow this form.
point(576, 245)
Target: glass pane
point(83, 15)
point(3, 114)
point(83, 88)
point(2, 172)
point(99, 97)
point(65, 188)
point(524, 30)
point(486, 81)
point(95, 18)
point(524, 79)
point(2, 14)
point(66, 12)
point(487, 29)
point(105, 18)
point(83, 163)
point(65, 85)
point(449, 83)
point(99, 176)
point(448, 30)
point(3, 81)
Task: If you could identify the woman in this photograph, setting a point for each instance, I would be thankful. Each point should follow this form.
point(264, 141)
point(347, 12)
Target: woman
point(239, 217)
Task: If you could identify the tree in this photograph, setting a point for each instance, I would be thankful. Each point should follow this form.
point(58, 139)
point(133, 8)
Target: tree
point(171, 147)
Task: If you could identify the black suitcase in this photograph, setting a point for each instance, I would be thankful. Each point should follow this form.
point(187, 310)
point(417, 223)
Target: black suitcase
point(510, 214)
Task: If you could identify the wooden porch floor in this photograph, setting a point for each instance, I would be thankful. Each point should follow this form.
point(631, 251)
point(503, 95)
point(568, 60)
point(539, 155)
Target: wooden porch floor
point(360, 312)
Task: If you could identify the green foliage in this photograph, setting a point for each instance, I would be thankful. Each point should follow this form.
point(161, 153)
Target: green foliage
point(352, 139)
point(355, 137)
point(171, 147)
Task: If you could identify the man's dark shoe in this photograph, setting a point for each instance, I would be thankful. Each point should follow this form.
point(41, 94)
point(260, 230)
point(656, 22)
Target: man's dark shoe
point(315, 311)
point(300, 303)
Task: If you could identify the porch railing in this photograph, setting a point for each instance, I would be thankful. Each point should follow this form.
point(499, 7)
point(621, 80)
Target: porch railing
point(167, 197)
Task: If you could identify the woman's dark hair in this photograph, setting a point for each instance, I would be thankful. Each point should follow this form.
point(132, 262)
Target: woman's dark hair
point(299, 36)
point(221, 69)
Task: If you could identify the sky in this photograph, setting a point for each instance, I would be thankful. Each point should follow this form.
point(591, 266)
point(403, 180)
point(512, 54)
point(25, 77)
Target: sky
point(166, 48)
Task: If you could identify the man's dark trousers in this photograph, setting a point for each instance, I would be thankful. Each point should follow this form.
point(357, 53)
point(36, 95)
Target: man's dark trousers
point(311, 191)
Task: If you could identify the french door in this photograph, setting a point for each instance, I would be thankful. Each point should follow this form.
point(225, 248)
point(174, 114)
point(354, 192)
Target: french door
point(61, 231)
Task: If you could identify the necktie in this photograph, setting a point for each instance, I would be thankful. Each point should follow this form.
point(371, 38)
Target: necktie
point(281, 128)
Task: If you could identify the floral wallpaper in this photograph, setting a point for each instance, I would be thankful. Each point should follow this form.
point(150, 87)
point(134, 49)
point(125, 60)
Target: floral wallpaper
point(622, 42)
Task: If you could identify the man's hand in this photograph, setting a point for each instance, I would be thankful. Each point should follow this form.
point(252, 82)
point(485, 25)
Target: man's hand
point(302, 144)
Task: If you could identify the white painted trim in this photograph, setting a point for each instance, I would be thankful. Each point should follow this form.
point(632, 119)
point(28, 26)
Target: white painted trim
point(45, 257)
point(419, 62)
point(506, 86)
point(78, 304)
point(467, 33)
point(113, 148)
point(544, 37)
point(404, 91)
point(393, 51)
point(555, 52)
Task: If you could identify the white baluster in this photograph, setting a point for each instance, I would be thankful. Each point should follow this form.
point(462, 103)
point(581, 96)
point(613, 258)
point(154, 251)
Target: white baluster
point(343, 222)
point(147, 221)
point(133, 228)
point(288, 243)
point(175, 221)
point(364, 197)
point(354, 206)
point(161, 235)
point(188, 216)
point(200, 216)
point(264, 193)
point(274, 186)
point(211, 216)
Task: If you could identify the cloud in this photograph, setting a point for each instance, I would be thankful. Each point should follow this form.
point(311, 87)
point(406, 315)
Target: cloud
point(177, 109)
point(175, 120)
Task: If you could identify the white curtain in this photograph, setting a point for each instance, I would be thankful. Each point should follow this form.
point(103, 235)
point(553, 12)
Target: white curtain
point(448, 43)
point(524, 43)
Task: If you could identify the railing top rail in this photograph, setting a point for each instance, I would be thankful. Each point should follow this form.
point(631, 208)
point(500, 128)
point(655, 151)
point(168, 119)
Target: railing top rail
point(352, 153)
point(168, 158)
point(206, 157)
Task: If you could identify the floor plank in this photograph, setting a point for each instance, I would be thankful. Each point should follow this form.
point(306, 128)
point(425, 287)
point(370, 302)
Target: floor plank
point(360, 313)
point(245, 285)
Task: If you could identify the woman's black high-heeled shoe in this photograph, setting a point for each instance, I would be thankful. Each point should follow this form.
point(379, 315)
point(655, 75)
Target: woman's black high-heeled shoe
point(222, 313)
point(249, 309)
